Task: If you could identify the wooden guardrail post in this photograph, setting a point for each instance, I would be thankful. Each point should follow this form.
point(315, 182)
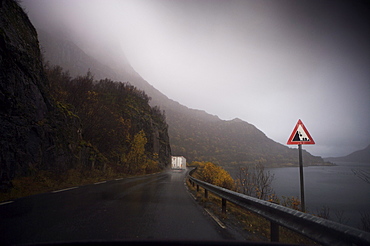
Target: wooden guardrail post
point(205, 193)
point(223, 206)
point(197, 187)
point(274, 232)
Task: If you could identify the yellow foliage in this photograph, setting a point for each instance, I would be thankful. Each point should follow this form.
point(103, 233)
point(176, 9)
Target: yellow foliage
point(152, 166)
point(136, 158)
point(214, 174)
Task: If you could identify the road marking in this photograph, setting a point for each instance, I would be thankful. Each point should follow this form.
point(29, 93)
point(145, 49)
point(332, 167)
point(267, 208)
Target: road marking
point(119, 179)
point(215, 219)
point(102, 182)
point(56, 191)
point(5, 203)
point(193, 196)
point(209, 212)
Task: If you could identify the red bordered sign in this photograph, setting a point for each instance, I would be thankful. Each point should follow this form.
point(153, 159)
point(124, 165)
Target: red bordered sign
point(300, 135)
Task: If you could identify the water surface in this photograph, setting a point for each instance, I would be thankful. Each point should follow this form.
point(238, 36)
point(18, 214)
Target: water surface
point(342, 188)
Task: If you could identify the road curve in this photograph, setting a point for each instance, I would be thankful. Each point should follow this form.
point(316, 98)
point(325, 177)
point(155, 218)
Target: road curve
point(154, 207)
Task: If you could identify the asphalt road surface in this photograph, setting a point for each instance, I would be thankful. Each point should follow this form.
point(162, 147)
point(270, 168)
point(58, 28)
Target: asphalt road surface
point(154, 207)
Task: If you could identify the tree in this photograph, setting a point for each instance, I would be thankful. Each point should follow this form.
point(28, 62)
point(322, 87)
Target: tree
point(115, 119)
point(255, 181)
point(216, 175)
point(136, 158)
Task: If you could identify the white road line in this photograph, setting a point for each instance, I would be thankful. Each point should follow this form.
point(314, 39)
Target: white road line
point(209, 212)
point(193, 196)
point(102, 182)
point(56, 191)
point(216, 219)
point(119, 179)
point(5, 203)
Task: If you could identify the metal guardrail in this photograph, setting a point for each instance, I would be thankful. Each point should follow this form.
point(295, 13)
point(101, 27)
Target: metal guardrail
point(318, 229)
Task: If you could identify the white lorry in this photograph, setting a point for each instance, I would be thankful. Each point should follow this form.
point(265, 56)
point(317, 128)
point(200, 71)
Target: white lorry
point(178, 162)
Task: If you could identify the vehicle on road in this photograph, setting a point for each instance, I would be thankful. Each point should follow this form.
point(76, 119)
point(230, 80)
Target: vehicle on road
point(178, 162)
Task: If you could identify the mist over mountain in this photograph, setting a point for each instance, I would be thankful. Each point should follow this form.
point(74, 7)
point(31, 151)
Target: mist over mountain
point(35, 135)
point(56, 129)
point(357, 156)
point(193, 133)
point(63, 52)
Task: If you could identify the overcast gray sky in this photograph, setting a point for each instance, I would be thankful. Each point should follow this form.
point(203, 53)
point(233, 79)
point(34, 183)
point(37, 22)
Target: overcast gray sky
point(269, 63)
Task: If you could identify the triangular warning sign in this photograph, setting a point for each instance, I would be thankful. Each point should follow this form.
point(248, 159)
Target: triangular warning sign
point(300, 135)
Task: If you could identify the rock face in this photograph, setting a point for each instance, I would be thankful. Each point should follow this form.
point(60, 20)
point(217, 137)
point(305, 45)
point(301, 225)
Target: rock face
point(37, 131)
point(28, 138)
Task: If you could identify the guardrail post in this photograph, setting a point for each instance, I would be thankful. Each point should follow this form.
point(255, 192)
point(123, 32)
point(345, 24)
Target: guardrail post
point(274, 232)
point(205, 193)
point(318, 229)
point(223, 206)
point(197, 187)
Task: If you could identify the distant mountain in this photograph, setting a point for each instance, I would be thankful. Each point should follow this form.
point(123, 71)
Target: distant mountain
point(194, 134)
point(357, 156)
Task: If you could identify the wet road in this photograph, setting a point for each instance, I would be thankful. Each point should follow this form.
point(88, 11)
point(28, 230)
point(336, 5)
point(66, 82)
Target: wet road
point(154, 207)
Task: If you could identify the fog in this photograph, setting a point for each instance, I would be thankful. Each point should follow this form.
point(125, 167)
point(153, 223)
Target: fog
point(269, 63)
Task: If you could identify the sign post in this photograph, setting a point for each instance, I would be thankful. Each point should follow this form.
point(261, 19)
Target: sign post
point(303, 204)
point(300, 136)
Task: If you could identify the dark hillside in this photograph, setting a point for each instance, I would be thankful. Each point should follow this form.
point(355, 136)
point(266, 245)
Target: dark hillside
point(231, 144)
point(193, 133)
point(28, 118)
point(116, 121)
point(62, 52)
point(357, 156)
point(57, 130)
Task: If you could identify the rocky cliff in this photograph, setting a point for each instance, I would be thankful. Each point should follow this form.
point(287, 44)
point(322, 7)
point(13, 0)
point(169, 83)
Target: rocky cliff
point(28, 140)
point(44, 126)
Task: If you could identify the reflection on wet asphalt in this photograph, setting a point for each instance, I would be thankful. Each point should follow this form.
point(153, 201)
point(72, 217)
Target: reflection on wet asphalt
point(154, 207)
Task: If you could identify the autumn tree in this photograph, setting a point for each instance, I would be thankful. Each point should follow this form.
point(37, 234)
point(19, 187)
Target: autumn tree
point(115, 119)
point(136, 158)
point(214, 174)
point(255, 181)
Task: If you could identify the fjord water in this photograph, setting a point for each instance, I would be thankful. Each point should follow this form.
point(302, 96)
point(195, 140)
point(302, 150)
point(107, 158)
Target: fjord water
point(341, 188)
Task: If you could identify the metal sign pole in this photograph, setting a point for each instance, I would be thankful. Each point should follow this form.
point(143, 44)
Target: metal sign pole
point(300, 136)
point(303, 206)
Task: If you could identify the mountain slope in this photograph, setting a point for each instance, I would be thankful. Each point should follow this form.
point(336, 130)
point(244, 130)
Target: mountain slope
point(56, 130)
point(62, 52)
point(193, 133)
point(357, 156)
